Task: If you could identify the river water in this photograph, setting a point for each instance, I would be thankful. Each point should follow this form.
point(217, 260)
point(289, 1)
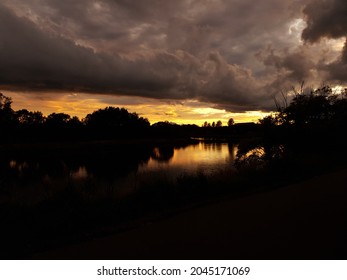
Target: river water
point(101, 172)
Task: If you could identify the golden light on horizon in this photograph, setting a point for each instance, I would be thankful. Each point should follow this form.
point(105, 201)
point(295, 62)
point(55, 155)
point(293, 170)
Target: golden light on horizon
point(81, 104)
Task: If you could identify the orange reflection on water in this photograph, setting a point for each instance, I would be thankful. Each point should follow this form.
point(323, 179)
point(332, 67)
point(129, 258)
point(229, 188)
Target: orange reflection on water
point(203, 152)
point(202, 155)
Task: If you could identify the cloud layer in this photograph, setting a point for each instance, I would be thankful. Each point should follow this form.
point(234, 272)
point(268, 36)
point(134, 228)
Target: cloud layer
point(235, 54)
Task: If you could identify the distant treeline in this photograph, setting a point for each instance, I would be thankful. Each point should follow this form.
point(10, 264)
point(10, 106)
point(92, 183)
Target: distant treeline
point(304, 112)
point(108, 123)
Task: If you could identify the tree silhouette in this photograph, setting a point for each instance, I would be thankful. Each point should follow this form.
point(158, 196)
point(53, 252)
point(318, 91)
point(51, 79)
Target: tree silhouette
point(26, 117)
point(207, 124)
point(231, 122)
point(5, 102)
point(112, 117)
point(340, 108)
point(165, 124)
point(75, 122)
point(112, 122)
point(317, 106)
point(269, 121)
point(58, 119)
point(6, 112)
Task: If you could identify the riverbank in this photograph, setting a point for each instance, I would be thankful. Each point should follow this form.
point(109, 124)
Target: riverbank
point(306, 220)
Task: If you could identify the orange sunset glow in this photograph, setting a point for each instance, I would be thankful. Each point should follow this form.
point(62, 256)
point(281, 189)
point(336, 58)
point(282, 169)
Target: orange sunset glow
point(81, 104)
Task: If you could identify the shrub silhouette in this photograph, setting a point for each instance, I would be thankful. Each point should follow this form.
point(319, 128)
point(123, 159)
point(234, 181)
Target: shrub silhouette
point(316, 106)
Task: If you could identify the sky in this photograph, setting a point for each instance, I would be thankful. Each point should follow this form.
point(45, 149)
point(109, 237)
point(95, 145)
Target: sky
point(186, 61)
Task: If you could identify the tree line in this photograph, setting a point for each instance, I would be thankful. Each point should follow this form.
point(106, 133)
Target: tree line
point(107, 123)
point(110, 116)
point(305, 111)
point(34, 125)
point(219, 123)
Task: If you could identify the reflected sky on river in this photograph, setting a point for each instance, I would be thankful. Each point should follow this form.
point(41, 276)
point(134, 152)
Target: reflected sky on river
point(203, 157)
point(109, 171)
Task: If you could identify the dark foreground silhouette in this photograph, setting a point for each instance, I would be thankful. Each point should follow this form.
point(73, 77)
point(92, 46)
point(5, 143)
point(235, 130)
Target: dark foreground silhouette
point(307, 220)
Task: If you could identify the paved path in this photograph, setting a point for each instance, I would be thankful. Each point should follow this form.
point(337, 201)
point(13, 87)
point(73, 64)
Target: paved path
point(307, 220)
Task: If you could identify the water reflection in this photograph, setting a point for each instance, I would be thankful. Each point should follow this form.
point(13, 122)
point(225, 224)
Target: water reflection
point(111, 170)
point(255, 155)
point(202, 157)
point(121, 170)
point(162, 154)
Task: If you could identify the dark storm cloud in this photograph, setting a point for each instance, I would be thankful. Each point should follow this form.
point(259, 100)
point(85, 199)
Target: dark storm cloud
point(291, 66)
point(325, 18)
point(33, 59)
point(234, 54)
point(338, 69)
